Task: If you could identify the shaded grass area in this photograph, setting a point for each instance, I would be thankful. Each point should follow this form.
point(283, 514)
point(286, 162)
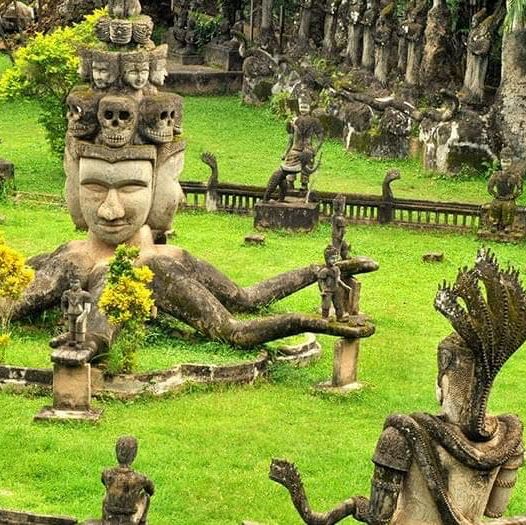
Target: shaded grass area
point(248, 143)
point(208, 450)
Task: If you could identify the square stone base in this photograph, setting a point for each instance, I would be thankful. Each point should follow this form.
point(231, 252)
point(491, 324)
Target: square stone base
point(56, 414)
point(329, 388)
point(298, 216)
point(71, 387)
point(185, 59)
point(223, 57)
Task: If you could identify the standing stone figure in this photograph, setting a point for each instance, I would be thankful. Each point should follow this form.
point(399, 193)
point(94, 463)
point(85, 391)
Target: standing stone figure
point(128, 493)
point(355, 35)
point(414, 32)
point(304, 27)
point(458, 466)
point(330, 25)
point(331, 286)
point(479, 46)
point(305, 141)
point(505, 186)
point(383, 38)
point(369, 22)
point(338, 227)
point(76, 305)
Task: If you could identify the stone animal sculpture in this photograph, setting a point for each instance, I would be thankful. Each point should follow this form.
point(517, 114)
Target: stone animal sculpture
point(462, 464)
point(122, 187)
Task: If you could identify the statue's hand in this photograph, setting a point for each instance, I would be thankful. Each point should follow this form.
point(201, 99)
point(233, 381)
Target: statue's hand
point(285, 473)
point(355, 265)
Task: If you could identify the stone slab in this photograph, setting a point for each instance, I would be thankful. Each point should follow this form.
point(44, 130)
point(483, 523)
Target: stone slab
point(56, 414)
point(72, 387)
point(224, 57)
point(297, 216)
point(11, 517)
point(339, 390)
point(71, 356)
point(202, 80)
point(185, 59)
point(345, 362)
point(7, 170)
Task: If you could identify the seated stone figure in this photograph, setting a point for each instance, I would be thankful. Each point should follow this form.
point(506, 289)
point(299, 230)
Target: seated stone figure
point(458, 466)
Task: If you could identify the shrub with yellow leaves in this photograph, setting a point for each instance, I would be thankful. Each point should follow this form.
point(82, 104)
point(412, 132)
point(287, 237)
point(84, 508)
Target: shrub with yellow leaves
point(15, 277)
point(127, 301)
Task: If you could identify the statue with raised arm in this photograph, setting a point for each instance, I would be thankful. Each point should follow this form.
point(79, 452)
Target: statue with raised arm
point(460, 465)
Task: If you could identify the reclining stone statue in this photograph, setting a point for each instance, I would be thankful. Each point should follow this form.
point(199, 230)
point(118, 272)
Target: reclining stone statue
point(123, 159)
point(455, 467)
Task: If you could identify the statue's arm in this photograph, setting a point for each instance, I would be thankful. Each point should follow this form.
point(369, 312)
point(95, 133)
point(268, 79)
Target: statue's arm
point(503, 485)
point(290, 131)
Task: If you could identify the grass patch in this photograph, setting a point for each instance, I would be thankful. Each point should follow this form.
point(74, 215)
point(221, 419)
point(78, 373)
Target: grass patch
point(208, 450)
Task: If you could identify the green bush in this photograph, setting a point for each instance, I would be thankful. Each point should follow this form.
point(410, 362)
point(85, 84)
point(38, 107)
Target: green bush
point(45, 70)
point(206, 27)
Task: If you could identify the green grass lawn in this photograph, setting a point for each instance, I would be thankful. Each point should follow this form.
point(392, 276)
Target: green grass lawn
point(208, 450)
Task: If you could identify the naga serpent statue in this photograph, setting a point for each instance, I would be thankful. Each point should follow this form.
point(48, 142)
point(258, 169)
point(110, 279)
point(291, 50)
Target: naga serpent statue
point(123, 158)
point(456, 467)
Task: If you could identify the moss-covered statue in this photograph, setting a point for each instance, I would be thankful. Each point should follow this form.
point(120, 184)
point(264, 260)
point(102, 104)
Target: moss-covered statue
point(123, 159)
point(458, 466)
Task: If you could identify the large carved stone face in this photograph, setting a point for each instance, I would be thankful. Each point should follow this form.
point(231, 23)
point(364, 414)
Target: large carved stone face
point(118, 120)
point(82, 114)
point(136, 74)
point(158, 72)
point(115, 199)
point(160, 118)
point(105, 72)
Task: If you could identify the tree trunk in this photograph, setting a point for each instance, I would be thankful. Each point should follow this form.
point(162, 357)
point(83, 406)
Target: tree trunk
point(512, 93)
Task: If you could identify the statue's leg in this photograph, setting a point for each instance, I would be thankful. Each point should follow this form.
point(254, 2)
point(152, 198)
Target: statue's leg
point(179, 294)
point(238, 299)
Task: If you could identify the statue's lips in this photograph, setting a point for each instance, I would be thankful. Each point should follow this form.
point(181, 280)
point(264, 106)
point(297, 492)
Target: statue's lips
point(112, 226)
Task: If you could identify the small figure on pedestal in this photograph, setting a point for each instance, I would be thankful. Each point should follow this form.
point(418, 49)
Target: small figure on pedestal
point(76, 305)
point(505, 186)
point(128, 492)
point(331, 286)
point(339, 227)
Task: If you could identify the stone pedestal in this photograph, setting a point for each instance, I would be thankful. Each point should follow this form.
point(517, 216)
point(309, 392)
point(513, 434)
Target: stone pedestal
point(187, 59)
point(71, 387)
point(223, 57)
point(7, 173)
point(294, 215)
point(345, 362)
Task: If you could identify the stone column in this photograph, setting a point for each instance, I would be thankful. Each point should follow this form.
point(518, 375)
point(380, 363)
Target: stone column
point(345, 364)
point(305, 20)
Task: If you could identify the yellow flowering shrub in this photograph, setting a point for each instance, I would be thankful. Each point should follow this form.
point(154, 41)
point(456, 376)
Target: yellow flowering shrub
point(127, 301)
point(15, 277)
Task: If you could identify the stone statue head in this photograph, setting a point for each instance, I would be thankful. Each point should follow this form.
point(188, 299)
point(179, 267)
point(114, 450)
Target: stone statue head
point(116, 192)
point(161, 117)
point(104, 69)
point(158, 71)
point(338, 205)
point(85, 59)
point(126, 450)
point(82, 113)
point(331, 255)
point(118, 117)
point(485, 306)
point(506, 158)
point(135, 69)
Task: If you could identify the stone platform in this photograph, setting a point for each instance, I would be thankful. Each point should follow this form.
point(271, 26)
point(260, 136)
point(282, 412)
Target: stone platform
point(294, 215)
point(202, 80)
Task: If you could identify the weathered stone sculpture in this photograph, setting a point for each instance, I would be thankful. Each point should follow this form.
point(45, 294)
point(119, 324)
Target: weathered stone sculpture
point(306, 137)
point(499, 219)
point(414, 31)
point(338, 228)
point(304, 26)
point(462, 464)
point(354, 50)
point(369, 22)
point(479, 45)
point(383, 38)
point(76, 304)
point(128, 493)
point(331, 286)
point(329, 30)
point(122, 186)
point(437, 61)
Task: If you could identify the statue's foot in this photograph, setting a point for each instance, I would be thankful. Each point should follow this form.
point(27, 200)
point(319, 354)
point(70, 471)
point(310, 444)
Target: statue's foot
point(343, 318)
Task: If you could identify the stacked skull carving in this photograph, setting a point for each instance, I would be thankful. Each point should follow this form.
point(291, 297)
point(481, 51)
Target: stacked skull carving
point(120, 105)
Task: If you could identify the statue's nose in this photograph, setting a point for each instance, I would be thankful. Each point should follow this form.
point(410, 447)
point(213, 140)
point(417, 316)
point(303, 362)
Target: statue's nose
point(112, 208)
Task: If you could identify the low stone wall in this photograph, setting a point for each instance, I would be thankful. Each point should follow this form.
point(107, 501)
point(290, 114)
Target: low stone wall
point(8, 517)
point(126, 386)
